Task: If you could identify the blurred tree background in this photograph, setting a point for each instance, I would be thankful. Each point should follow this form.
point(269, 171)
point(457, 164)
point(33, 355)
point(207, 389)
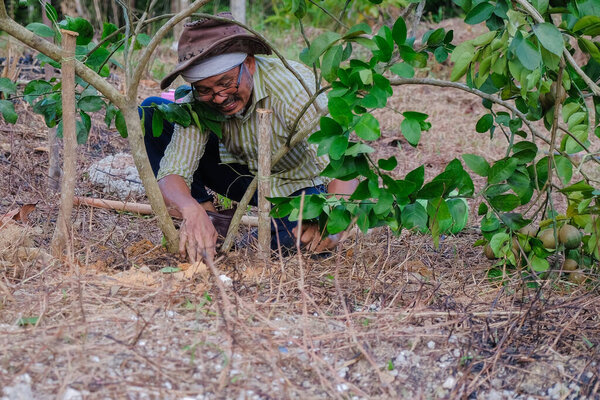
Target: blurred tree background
point(263, 14)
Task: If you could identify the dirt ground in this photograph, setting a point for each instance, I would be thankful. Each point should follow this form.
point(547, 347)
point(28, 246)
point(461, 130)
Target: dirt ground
point(382, 317)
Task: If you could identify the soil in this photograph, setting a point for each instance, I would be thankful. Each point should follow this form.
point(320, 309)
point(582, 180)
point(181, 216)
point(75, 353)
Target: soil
point(381, 317)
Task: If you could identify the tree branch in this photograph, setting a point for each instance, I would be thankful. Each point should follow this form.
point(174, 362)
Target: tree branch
point(51, 50)
point(158, 36)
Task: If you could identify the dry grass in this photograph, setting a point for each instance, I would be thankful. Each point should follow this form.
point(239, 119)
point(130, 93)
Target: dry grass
point(382, 317)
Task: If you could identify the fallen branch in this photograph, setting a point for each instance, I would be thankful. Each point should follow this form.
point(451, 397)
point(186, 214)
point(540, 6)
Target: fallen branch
point(138, 208)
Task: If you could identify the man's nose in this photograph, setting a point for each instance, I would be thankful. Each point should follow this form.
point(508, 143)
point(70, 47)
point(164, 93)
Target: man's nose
point(219, 98)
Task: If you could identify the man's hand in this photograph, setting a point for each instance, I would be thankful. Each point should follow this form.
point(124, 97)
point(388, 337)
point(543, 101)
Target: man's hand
point(314, 240)
point(197, 235)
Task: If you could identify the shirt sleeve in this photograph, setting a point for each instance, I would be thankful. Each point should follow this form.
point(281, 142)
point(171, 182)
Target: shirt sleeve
point(183, 153)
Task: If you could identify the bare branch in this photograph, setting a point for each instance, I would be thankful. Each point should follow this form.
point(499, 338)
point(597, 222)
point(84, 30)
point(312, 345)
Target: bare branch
point(157, 38)
point(54, 52)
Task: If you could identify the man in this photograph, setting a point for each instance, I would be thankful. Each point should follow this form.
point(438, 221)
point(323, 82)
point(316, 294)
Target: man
point(218, 60)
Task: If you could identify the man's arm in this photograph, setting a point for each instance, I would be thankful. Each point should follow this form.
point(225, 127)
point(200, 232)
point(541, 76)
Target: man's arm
point(197, 235)
point(311, 237)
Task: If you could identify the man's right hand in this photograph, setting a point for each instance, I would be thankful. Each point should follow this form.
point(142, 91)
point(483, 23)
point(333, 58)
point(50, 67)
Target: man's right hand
point(197, 234)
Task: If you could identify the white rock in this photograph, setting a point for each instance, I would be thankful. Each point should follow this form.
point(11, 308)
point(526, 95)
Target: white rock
point(72, 394)
point(431, 344)
point(449, 383)
point(342, 387)
point(20, 390)
point(117, 174)
point(227, 281)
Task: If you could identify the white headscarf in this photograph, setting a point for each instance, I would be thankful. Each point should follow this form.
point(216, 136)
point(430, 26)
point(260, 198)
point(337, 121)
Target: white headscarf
point(213, 66)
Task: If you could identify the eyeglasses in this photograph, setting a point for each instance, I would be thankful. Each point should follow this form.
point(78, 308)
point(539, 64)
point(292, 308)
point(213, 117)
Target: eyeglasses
point(205, 94)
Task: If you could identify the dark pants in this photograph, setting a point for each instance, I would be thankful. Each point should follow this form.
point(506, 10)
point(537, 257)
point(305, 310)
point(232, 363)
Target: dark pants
point(229, 180)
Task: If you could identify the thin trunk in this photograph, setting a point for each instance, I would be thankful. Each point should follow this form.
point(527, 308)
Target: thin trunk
point(264, 182)
point(54, 170)
point(138, 151)
point(238, 9)
point(61, 239)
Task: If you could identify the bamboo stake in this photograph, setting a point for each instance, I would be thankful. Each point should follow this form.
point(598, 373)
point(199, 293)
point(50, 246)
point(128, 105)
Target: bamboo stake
point(138, 208)
point(264, 182)
point(61, 241)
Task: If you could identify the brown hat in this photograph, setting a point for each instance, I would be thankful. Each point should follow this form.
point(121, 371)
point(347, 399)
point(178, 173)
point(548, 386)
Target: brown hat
point(207, 37)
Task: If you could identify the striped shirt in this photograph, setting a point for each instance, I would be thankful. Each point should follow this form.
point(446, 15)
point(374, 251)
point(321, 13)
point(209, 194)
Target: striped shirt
point(277, 89)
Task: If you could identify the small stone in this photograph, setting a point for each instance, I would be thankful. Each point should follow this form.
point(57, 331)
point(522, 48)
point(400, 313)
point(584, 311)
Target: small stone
point(145, 269)
point(431, 344)
point(72, 394)
point(449, 383)
point(456, 353)
point(342, 387)
point(227, 281)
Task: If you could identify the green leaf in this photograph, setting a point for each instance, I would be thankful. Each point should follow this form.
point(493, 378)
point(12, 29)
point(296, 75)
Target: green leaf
point(7, 109)
point(498, 241)
point(357, 30)
point(564, 169)
point(528, 54)
point(477, 164)
point(514, 221)
point(462, 56)
point(482, 209)
point(91, 103)
point(83, 127)
point(7, 86)
point(485, 123)
point(505, 202)
point(479, 13)
point(388, 164)
point(175, 113)
point(157, 124)
point(403, 70)
point(459, 210)
point(320, 45)
point(359, 148)
point(550, 37)
point(399, 31)
point(340, 111)
point(588, 25)
point(384, 203)
point(50, 12)
point(367, 127)
point(490, 223)
point(143, 39)
point(170, 270)
point(539, 264)
point(299, 8)
point(107, 30)
point(313, 207)
point(338, 147)
point(80, 25)
point(414, 216)
point(411, 129)
point(40, 29)
point(36, 88)
point(331, 62)
point(416, 176)
point(502, 170)
point(440, 54)
point(23, 321)
point(120, 124)
point(339, 219)
point(540, 5)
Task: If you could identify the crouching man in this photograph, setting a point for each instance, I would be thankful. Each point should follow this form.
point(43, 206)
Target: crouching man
point(221, 62)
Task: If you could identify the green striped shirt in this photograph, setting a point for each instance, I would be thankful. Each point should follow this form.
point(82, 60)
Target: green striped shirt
point(275, 88)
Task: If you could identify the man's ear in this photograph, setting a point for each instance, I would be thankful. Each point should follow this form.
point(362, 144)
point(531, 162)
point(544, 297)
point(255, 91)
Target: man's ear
point(250, 62)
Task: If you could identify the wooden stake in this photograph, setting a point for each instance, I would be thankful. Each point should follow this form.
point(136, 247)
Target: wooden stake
point(138, 208)
point(61, 239)
point(264, 182)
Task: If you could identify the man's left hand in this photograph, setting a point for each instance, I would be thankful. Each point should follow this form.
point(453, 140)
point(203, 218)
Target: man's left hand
point(313, 239)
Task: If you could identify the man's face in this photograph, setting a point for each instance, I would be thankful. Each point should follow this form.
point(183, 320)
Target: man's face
point(222, 91)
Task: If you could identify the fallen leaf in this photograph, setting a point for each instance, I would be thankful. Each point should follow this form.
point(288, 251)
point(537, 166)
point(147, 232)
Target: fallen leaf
point(24, 212)
point(42, 149)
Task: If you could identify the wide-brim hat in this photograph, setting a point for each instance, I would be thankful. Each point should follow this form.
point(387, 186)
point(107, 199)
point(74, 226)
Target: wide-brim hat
point(208, 37)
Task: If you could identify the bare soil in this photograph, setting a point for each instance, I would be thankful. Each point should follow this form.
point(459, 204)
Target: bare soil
point(382, 317)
